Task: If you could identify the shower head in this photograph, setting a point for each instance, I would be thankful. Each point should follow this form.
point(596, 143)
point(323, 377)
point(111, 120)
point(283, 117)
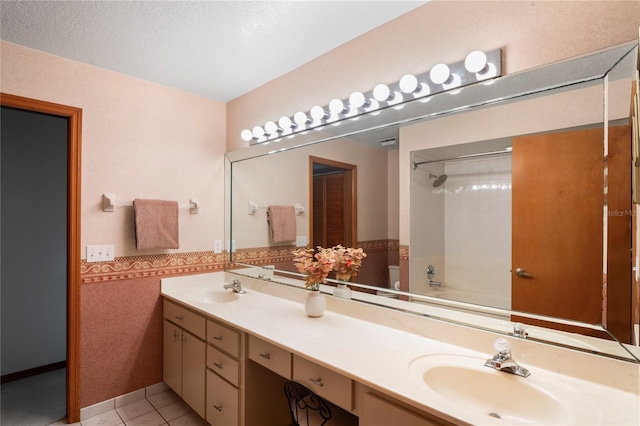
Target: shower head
point(439, 180)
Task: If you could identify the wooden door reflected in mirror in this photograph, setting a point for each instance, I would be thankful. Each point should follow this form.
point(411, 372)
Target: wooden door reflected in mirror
point(332, 201)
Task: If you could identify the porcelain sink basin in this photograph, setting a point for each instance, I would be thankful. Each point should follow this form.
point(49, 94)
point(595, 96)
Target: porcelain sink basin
point(212, 295)
point(486, 394)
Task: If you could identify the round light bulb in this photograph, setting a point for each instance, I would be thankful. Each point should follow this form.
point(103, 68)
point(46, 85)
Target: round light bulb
point(318, 113)
point(271, 127)
point(475, 62)
point(373, 105)
point(381, 92)
point(487, 72)
point(439, 74)
point(409, 83)
point(301, 118)
point(258, 132)
point(453, 82)
point(286, 123)
point(246, 135)
point(336, 106)
point(357, 100)
point(423, 92)
point(397, 99)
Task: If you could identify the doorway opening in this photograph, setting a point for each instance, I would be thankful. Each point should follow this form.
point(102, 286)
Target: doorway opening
point(71, 215)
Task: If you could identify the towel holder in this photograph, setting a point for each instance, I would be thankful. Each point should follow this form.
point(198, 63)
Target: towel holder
point(109, 203)
point(253, 207)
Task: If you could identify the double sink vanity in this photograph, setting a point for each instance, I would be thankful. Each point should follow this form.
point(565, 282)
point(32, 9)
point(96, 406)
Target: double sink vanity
point(228, 356)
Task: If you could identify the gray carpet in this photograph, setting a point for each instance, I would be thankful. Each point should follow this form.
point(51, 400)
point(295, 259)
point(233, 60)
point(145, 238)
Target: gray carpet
point(35, 401)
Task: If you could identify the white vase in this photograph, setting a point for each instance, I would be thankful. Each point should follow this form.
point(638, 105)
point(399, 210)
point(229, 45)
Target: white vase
point(315, 304)
point(341, 290)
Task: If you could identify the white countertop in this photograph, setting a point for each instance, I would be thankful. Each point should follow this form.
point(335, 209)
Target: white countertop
point(373, 354)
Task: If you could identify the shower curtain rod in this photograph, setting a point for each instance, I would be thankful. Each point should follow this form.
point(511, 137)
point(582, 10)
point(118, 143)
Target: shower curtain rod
point(414, 165)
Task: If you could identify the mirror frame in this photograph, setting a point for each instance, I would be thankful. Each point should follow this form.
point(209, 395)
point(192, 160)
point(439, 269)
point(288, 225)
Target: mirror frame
point(586, 68)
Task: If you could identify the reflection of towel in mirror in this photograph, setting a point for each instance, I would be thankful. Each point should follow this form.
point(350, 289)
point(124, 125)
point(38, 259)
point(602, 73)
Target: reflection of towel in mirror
point(156, 224)
point(282, 223)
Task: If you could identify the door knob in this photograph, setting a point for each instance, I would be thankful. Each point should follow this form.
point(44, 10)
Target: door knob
point(523, 274)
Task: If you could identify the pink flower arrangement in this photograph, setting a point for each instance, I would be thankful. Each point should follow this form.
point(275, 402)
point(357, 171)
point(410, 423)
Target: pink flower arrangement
point(344, 261)
point(347, 261)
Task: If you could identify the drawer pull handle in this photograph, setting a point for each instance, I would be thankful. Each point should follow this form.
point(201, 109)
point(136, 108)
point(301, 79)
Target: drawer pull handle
point(218, 407)
point(317, 381)
point(267, 355)
point(218, 338)
point(218, 364)
point(179, 318)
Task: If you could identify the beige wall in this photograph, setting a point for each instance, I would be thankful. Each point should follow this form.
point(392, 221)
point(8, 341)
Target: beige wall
point(531, 33)
point(139, 140)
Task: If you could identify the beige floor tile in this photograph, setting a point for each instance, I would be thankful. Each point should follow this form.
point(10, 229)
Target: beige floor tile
point(110, 418)
point(150, 419)
point(191, 419)
point(163, 398)
point(135, 409)
point(175, 410)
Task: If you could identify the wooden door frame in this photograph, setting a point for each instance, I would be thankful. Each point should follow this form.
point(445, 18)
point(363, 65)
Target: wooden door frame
point(74, 144)
point(351, 183)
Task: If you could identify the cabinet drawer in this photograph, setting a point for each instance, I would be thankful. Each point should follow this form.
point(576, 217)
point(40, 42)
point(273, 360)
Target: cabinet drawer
point(185, 318)
point(223, 337)
point(271, 356)
point(223, 365)
point(222, 401)
point(324, 382)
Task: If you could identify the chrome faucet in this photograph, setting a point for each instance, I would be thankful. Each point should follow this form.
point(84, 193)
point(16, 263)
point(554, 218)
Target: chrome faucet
point(502, 361)
point(235, 286)
point(519, 330)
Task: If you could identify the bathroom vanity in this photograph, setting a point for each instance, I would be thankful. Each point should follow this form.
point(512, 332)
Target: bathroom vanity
point(413, 370)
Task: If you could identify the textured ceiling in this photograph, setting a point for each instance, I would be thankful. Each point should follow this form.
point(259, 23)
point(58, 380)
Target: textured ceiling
point(217, 49)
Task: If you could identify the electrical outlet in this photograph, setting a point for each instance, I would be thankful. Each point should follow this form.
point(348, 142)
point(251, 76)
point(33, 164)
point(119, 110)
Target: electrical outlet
point(217, 246)
point(302, 240)
point(103, 253)
point(231, 245)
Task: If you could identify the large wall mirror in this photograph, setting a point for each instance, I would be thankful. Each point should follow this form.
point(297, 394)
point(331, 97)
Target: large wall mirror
point(504, 203)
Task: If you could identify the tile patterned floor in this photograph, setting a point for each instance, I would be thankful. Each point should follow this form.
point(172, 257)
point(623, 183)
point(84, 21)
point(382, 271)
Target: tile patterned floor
point(161, 409)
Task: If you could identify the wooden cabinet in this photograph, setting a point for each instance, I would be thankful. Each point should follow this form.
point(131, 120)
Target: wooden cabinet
point(224, 375)
point(218, 370)
point(183, 365)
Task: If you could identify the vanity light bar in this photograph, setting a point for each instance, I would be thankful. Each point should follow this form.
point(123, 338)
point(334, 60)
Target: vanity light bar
point(478, 66)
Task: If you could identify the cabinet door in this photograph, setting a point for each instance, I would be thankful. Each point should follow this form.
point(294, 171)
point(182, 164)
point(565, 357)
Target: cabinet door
point(222, 401)
point(172, 357)
point(193, 372)
point(378, 412)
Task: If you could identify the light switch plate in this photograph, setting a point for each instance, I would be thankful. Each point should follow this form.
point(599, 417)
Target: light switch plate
point(302, 240)
point(102, 253)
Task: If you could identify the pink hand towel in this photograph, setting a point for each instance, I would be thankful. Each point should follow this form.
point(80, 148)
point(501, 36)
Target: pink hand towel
point(156, 224)
point(282, 221)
